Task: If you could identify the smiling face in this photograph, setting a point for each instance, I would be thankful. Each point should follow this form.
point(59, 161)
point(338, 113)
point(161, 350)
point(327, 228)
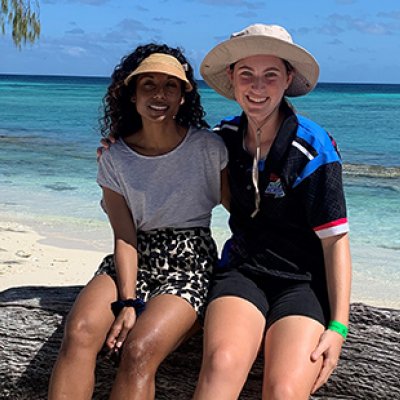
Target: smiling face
point(158, 96)
point(259, 84)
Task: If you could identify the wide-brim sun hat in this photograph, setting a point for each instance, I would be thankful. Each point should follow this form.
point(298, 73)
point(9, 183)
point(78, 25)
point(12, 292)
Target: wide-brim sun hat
point(260, 39)
point(163, 64)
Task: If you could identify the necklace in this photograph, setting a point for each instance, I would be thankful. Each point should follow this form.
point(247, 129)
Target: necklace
point(256, 160)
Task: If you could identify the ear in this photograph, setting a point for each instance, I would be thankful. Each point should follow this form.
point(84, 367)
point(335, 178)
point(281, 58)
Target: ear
point(133, 99)
point(229, 72)
point(182, 100)
point(289, 79)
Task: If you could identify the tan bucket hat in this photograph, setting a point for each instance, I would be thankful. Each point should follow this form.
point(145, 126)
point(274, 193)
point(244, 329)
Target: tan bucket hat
point(260, 39)
point(164, 64)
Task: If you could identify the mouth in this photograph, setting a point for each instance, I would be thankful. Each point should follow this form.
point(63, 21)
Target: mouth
point(256, 100)
point(158, 107)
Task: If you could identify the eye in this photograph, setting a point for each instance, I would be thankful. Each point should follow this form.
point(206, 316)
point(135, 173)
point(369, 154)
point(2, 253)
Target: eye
point(148, 84)
point(271, 74)
point(172, 84)
point(245, 74)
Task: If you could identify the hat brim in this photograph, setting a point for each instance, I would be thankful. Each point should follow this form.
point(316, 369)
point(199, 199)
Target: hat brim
point(162, 69)
point(213, 67)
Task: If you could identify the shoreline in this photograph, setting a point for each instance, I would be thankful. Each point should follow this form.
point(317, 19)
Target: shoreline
point(35, 255)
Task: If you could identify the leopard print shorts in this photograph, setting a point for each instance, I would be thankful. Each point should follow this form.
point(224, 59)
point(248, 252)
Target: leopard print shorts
point(172, 261)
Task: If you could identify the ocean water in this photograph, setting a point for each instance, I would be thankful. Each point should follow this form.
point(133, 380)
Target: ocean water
point(49, 134)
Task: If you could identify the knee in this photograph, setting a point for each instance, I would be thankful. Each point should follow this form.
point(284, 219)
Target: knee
point(223, 360)
point(80, 334)
point(139, 357)
point(282, 390)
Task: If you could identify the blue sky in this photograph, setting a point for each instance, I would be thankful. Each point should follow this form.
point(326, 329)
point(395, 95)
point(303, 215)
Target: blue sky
point(353, 40)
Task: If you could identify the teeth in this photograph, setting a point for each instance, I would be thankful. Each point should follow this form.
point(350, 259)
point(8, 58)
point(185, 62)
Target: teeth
point(257, 100)
point(158, 108)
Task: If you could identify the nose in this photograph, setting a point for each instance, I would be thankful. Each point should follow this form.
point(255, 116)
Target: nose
point(258, 83)
point(159, 92)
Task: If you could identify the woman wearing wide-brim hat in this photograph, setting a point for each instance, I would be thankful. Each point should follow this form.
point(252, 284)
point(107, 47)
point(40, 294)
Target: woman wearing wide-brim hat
point(285, 275)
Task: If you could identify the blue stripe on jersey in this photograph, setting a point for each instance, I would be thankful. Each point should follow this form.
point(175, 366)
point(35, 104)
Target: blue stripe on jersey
point(232, 118)
point(227, 122)
point(319, 139)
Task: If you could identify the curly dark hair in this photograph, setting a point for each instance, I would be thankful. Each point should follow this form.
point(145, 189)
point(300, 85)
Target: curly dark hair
point(120, 117)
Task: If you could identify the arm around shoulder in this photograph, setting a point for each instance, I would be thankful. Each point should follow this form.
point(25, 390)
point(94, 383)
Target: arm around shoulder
point(225, 192)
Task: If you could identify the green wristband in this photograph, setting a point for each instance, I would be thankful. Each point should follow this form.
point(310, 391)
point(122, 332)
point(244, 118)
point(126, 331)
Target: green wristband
point(339, 328)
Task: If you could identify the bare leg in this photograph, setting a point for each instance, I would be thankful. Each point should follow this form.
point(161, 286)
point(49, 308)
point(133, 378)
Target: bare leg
point(233, 333)
point(289, 372)
point(163, 326)
point(87, 326)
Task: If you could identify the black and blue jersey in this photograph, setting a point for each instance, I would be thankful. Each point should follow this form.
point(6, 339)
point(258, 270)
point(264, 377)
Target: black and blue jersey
point(302, 199)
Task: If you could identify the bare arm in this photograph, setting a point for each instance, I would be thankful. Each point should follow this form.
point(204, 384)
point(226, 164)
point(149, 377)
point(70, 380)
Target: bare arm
point(225, 192)
point(125, 254)
point(338, 273)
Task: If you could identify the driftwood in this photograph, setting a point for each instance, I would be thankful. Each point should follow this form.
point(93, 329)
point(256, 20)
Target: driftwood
point(31, 324)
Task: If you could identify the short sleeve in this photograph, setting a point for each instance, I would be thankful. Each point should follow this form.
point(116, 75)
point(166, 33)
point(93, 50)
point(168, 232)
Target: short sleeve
point(106, 173)
point(216, 149)
point(324, 200)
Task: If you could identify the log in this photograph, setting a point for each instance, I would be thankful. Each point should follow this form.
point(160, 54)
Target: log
point(31, 326)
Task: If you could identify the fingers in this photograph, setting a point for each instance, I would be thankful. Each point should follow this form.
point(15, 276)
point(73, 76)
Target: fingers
point(99, 152)
point(317, 353)
point(112, 336)
point(122, 336)
point(121, 328)
point(107, 142)
point(328, 366)
point(105, 145)
point(321, 347)
point(329, 348)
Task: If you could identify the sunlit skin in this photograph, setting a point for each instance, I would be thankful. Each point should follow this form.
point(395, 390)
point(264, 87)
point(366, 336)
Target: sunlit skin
point(259, 83)
point(158, 96)
point(157, 99)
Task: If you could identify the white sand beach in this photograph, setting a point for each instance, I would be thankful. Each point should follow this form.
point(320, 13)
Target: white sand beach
point(25, 260)
point(62, 258)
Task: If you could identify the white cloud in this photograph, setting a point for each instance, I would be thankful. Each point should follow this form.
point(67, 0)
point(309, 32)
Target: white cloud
point(390, 15)
point(75, 31)
point(73, 51)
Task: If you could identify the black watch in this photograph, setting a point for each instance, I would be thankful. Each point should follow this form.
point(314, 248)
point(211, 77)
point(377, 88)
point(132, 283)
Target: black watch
point(137, 304)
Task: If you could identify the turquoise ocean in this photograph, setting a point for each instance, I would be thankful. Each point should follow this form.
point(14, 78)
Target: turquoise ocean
point(49, 135)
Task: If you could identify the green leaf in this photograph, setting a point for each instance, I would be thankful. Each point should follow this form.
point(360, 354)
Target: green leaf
point(22, 16)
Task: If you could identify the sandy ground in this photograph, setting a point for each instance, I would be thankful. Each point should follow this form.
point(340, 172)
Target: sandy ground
point(25, 260)
point(67, 258)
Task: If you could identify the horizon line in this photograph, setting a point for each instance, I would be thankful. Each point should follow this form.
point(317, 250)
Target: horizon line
point(197, 79)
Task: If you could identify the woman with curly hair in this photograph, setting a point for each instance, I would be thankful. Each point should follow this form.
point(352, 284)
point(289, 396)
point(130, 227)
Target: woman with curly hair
point(160, 182)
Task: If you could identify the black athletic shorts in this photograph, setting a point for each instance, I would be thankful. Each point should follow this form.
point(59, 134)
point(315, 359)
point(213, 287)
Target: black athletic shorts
point(274, 297)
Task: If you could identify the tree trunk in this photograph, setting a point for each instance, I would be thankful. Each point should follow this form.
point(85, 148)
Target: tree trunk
point(31, 325)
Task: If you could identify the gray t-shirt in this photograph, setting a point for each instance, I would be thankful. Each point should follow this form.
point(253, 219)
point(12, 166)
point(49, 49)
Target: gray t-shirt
point(178, 189)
